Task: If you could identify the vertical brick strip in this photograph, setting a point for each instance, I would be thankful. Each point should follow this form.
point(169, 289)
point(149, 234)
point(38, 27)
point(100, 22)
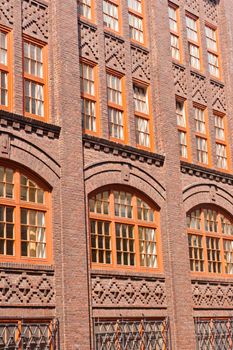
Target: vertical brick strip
point(75, 328)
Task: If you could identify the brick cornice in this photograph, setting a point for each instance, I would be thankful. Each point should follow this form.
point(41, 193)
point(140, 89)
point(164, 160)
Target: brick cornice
point(124, 151)
point(30, 125)
point(210, 174)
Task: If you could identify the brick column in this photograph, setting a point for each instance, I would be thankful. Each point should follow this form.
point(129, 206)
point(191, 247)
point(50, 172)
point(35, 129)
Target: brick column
point(17, 58)
point(72, 301)
point(177, 271)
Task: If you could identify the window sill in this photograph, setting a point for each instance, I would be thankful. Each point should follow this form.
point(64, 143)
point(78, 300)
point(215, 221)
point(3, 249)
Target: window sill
point(215, 278)
point(30, 125)
point(26, 266)
point(123, 273)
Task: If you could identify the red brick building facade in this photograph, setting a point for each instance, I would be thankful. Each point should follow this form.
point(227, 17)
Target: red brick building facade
point(116, 195)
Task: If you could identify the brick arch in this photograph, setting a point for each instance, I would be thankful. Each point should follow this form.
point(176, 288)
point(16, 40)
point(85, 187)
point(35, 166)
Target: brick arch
point(122, 173)
point(207, 193)
point(29, 156)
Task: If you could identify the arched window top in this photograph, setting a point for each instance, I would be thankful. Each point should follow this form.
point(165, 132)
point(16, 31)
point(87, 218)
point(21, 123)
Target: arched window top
point(24, 208)
point(210, 236)
point(124, 229)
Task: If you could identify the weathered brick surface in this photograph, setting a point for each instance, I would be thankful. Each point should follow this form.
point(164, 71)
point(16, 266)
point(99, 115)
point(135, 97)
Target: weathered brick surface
point(73, 171)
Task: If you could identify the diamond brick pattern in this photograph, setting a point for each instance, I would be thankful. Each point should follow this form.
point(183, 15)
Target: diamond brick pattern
point(114, 53)
point(35, 19)
point(26, 289)
point(88, 42)
point(140, 63)
point(211, 9)
point(127, 292)
point(193, 5)
point(6, 12)
point(180, 80)
point(212, 295)
point(199, 88)
point(218, 96)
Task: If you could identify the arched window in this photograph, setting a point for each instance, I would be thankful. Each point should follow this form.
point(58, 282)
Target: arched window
point(24, 210)
point(210, 237)
point(124, 230)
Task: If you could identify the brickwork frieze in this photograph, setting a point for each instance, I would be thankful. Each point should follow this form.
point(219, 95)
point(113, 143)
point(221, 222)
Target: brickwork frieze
point(35, 19)
point(212, 295)
point(114, 53)
point(26, 289)
point(6, 12)
point(128, 292)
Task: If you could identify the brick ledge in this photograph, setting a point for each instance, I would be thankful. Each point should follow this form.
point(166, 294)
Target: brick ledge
point(125, 151)
point(30, 125)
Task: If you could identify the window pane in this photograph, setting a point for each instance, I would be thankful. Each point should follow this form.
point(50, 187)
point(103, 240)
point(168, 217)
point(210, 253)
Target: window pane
point(110, 15)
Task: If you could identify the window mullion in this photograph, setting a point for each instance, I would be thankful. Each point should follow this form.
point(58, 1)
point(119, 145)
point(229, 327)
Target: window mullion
point(17, 215)
point(136, 238)
point(204, 242)
point(112, 229)
point(221, 244)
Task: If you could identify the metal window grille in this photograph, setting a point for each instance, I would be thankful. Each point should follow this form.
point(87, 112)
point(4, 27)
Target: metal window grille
point(25, 335)
point(214, 334)
point(132, 334)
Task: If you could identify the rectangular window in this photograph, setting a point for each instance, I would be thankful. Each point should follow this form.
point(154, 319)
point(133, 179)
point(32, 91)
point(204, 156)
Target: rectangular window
point(111, 15)
point(175, 32)
point(221, 154)
point(33, 235)
point(85, 8)
point(196, 255)
point(201, 135)
point(7, 235)
point(28, 334)
point(221, 142)
point(193, 41)
point(202, 150)
point(228, 256)
point(212, 47)
point(88, 95)
point(182, 128)
point(4, 69)
point(136, 20)
point(200, 120)
point(132, 334)
point(147, 244)
point(213, 255)
point(34, 79)
point(101, 242)
point(115, 106)
point(125, 244)
point(142, 115)
point(213, 333)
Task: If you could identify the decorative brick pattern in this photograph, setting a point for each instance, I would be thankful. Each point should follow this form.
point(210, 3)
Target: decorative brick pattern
point(35, 19)
point(212, 295)
point(218, 96)
point(128, 292)
point(114, 53)
point(140, 63)
point(6, 12)
point(193, 5)
point(199, 88)
point(180, 80)
point(211, 9)
point(88, 43)
point(24, 289)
